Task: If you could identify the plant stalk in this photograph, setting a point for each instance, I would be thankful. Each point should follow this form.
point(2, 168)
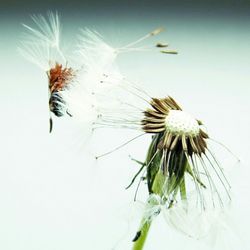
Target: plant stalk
point(142, 234)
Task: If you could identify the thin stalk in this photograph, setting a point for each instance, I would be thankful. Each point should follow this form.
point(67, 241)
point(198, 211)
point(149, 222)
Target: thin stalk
point(139, 243)
point(142, 234)
point(156, 178)
point(183, 191)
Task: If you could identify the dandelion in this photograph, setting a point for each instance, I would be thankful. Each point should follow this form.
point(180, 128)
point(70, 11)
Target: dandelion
point(179, 161)
point(42, 46)
point(179, 146)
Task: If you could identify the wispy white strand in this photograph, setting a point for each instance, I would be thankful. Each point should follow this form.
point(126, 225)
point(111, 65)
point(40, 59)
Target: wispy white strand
point(100, 78)
point(103, 126)
point(42, 44)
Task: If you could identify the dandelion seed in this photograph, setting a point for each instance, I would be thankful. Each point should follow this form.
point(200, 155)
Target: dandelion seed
point(174, 52)
point(161, 45)
point(42, 46)
point(98, 94)
point(93, 50)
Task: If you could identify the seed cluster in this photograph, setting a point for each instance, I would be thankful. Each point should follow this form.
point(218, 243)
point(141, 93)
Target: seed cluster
point(181, 123)
point(59, 77)
point(178, 127)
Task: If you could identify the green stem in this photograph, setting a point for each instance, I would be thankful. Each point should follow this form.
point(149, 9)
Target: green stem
point(145, 226)
point(163, 185)
point(143, 233)
point(183, 191)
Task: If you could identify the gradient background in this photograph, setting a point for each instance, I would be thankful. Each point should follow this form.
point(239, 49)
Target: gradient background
point(53, 195)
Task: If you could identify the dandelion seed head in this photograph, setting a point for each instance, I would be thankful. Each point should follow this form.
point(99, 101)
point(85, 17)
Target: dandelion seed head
point(181, 123)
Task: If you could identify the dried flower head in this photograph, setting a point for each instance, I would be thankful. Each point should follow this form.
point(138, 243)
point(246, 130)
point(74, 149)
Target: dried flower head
point(179, 160)
point(179, 141)
point(178, 126)
point(179, 148)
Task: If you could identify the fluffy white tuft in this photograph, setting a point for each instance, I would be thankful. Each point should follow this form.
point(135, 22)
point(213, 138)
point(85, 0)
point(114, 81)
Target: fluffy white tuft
point(41, 44)
point(94, 51)
point(100, 88)
point(102, 94)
